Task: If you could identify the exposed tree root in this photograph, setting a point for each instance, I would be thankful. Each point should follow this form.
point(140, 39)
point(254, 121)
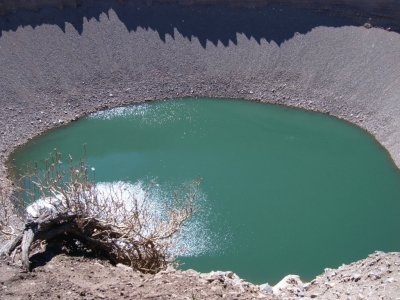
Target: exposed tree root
point(112, 224)
point(105, 240)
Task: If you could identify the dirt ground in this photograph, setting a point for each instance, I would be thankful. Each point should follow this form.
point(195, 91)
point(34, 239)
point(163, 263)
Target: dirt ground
point(66, 277)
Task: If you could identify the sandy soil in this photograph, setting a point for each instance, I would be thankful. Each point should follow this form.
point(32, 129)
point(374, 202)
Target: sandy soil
point(56, 65)
point(66, 277)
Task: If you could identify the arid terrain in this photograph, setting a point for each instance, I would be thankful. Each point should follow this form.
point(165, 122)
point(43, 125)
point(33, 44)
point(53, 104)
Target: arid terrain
point(65, 277)
point(59, 64)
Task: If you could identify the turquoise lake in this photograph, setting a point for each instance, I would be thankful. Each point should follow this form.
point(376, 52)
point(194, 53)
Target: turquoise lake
point(282, 191)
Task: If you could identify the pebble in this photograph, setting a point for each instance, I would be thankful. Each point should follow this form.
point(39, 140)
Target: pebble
point(124, 267)
point(356, 277)
point(367, 25)
point(390, 280)
point(374, 276)
point(329, 284)
point(266, 288)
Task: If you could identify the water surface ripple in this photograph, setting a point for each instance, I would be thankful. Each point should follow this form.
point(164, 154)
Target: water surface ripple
point(283, 191)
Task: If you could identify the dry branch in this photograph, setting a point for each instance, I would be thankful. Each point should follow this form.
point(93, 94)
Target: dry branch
point(112, 224)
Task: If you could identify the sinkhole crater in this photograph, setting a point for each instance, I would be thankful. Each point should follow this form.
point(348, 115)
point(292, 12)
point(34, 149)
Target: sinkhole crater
point(283, 190)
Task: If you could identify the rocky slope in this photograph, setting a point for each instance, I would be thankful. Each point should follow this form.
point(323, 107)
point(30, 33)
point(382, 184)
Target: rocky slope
point(56, 65)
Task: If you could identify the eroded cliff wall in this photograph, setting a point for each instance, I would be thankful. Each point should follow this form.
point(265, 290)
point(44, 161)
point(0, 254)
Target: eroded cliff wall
point(57, 64)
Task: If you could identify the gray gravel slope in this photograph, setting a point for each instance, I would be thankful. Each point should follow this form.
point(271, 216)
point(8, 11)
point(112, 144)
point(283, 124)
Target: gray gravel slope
point(53, 72)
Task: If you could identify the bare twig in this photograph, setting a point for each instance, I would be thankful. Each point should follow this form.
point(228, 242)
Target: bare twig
point(114, 223)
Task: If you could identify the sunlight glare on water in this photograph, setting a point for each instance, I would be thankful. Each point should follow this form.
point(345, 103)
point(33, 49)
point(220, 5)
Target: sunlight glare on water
point(282, 191)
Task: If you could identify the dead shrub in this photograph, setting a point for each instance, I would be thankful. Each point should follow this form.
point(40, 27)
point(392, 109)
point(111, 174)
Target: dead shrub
point(114, 224)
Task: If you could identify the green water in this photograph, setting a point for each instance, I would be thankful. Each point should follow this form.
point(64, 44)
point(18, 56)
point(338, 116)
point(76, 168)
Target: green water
point(283, 191)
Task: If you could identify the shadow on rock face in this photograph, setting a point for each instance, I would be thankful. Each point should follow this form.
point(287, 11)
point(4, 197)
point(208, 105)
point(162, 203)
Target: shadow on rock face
point(206, 23)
